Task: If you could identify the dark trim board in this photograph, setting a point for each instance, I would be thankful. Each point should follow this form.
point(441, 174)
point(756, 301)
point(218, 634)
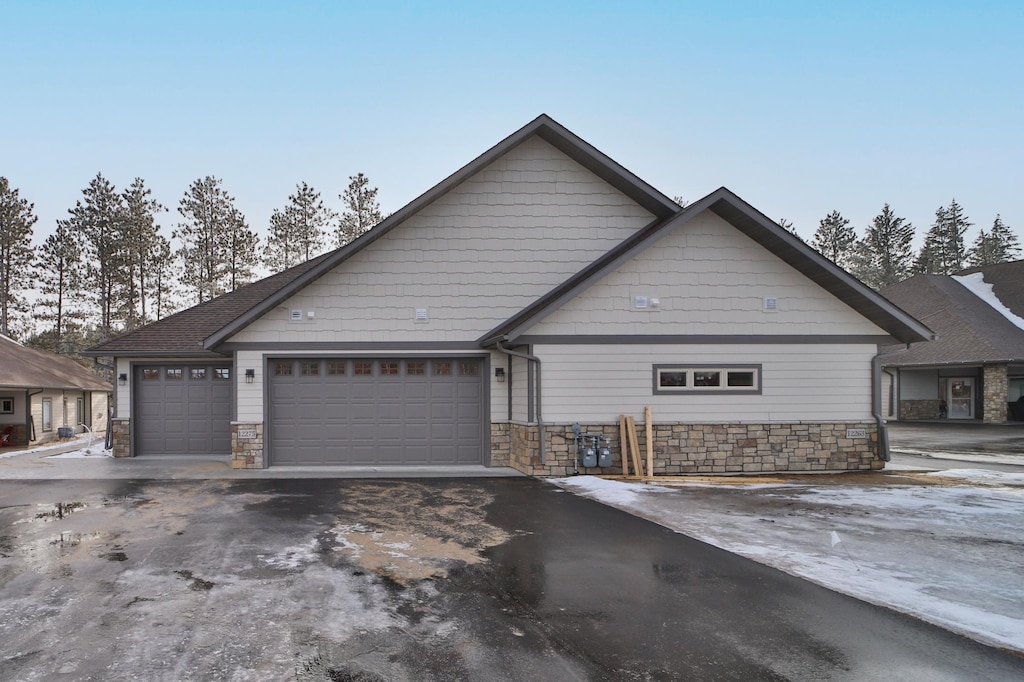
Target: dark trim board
point(374, 347)
point(695, 339)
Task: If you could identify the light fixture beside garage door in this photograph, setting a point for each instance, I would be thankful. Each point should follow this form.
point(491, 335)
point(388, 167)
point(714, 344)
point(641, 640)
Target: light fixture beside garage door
point(250, 375)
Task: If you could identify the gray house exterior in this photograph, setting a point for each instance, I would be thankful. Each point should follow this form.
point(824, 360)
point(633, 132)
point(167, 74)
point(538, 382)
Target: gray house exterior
point(974, 371)
point(539, 286)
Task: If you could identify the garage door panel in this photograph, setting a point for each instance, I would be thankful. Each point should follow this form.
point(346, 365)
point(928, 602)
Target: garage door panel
point(404, 411)
point(182, 409)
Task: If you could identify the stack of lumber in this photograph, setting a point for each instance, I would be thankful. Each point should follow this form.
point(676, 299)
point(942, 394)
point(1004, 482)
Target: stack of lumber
point(631, 445)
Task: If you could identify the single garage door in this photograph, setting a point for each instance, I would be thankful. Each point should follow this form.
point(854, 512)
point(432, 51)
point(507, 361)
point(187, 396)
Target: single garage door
point(183, 409)
point(386, 411)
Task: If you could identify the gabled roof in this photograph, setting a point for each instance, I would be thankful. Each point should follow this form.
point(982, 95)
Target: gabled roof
point(970, 330)
point(544, 127)
point(30, 368)
point(758, 227)
point(183, 334)
point(1007, 280)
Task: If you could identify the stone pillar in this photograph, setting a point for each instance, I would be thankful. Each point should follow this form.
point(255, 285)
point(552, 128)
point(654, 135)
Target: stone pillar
point(122, 439)
point(246, 445)
point(995, 395)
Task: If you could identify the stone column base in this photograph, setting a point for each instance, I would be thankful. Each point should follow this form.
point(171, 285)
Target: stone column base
point(247, 445)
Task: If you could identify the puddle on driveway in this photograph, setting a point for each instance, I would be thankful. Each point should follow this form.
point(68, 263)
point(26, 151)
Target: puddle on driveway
point(407, 531)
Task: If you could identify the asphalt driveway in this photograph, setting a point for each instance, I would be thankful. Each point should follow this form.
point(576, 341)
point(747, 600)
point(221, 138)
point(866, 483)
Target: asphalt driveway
point(483, 579)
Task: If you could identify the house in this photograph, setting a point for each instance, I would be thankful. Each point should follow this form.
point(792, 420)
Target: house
point(540, 286)
point(42, 393)
point(975, 370)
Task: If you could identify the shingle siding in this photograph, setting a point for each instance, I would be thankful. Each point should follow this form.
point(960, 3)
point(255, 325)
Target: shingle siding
point(473, 258)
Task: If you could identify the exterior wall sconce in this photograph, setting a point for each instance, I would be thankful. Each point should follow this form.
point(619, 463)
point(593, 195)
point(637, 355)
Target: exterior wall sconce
point(122, 379)
point(499, 374)
point(250, 375)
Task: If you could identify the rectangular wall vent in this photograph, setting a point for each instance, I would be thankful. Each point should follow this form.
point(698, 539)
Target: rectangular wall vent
point(296, 316)
point(771, 303)
point(421, 314)
point(639, 301)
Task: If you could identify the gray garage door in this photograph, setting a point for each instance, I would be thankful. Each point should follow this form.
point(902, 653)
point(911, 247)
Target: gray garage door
point(183, 409)
point(376, 411)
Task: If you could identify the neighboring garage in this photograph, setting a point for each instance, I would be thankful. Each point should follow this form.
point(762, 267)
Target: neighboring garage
point(183, 409)
point(376, 411)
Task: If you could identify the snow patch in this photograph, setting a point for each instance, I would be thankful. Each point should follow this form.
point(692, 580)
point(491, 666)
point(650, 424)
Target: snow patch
point(976, 284)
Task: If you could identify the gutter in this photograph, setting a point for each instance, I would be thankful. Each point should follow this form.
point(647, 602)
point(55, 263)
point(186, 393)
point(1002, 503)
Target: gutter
point(876, 401)
point(540, 418)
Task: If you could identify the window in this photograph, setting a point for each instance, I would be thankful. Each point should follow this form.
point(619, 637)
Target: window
point(79, 410)
point(221, 372)
point(47, 414)
point(174, 374)
point(442, 368)
point(283, 369)
point(197, 374)
point(362, 368)
point(736, 379)
point(415, 368)
point(6, 405)
point(468, 369)
point(150, 374)
point(389, 369)
point(335, 368)
point(310, 369)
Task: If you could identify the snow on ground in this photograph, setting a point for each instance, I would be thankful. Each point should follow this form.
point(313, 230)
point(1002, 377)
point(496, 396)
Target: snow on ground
point(948, 554)
point(78, 448)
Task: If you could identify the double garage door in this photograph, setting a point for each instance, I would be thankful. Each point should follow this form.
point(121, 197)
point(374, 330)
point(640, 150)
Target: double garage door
point(375, 411)
point(182, 409)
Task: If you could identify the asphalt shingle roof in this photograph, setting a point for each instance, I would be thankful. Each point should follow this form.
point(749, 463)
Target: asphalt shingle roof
point(969, 330)
point(30, 368)
point(184, 333)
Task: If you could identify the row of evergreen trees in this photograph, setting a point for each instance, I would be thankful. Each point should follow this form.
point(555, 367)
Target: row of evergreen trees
point(884, 255)
point(107, 268)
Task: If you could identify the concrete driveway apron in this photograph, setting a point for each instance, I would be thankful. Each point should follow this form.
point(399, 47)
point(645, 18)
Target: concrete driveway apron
point(481, 579)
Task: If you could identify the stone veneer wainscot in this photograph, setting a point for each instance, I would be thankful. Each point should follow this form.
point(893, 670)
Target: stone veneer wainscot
point(246, 452)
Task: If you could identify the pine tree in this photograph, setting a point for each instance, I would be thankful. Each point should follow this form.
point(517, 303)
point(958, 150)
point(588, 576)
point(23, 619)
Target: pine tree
point(297, 232)
point(361, 210)
point(16, 221)
point(162, 267)
point(141, 237)
point(99, 217)
point(884, 256)
point(61, 258)
point(217, 249)
point(943, 251)
point(835, 239)
point(998, 246)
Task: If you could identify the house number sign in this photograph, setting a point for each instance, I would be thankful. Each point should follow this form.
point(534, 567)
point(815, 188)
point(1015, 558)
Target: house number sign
point(247, 433)
point(856, 433)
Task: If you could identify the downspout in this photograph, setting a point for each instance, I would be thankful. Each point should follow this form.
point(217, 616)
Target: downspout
point(540, 418)
point(876, 401)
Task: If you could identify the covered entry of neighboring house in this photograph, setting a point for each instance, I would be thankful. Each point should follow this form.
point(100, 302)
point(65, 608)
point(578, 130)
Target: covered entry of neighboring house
point(376, 411)
point(183, 409)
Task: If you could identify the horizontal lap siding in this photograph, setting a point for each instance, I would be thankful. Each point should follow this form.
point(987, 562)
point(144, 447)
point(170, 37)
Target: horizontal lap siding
point(822, 382)
point(472, 258)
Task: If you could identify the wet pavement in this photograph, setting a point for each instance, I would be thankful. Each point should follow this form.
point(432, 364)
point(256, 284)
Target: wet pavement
point(951, 437)
point(483, 579)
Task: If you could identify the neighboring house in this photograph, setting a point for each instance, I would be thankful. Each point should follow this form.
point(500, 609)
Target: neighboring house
point(975, 370)
point(42, 392)
point(539, 286)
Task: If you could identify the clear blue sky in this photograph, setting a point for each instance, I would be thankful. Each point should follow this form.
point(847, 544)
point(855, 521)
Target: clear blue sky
point(799, 107)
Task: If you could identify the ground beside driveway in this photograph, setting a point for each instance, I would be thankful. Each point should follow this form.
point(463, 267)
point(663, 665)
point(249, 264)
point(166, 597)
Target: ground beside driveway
point(328, 579)
point(945, 546)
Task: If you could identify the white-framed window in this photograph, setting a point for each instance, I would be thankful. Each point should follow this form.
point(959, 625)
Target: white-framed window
point(47, 414)
point(733, 379)
point(6, 405)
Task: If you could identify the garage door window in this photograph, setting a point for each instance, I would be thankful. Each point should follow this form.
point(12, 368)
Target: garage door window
point(336, 368)
point(174, 373)
point(197, 373)
point(222, 373)
point(283, 369)
point(414, 368)
point(389, 369)
point(468, 369)
point(310, 369)
point(363, 368)
point(150, 374)
point(442, 368)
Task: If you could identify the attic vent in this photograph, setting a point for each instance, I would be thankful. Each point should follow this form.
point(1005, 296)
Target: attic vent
point(639, 301)
point(421, 314)
point(296, 316)
point(771, 303)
